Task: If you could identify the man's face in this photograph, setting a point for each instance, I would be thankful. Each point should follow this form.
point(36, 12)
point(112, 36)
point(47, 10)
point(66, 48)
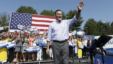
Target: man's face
point(58, 15)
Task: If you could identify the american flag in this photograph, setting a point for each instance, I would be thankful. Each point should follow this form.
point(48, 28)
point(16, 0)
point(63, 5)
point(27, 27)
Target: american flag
point(34, 21)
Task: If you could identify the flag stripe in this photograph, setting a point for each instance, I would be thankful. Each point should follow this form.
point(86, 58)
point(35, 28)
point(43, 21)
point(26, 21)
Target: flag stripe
point(42, 29)
point(35, 27)
point(42, 25)
point(42, 16)
point(47, 21)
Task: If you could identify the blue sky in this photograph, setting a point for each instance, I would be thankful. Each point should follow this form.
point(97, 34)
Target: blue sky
point(97, 9)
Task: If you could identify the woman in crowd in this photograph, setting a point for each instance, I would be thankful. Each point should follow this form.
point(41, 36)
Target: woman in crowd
point(80, 47)
point(18, 48)
point(25, 46)
point(31, 40)
point(72, 46)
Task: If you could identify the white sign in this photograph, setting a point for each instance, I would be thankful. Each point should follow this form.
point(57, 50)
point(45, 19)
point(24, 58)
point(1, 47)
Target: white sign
point(1, 28)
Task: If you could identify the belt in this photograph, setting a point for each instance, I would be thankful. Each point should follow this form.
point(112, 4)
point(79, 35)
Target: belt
point(60, 41)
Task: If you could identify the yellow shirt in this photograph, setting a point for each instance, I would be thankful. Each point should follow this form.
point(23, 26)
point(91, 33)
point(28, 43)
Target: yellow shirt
point(79, 51)
point(3, 52)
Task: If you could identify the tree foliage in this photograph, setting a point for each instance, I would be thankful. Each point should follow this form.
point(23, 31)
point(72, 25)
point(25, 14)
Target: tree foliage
point(47, 12)
point(50, 13)
point(94, 27)
point(70, 14)
point(91, 27)
point(4, 20)
point(26, 9)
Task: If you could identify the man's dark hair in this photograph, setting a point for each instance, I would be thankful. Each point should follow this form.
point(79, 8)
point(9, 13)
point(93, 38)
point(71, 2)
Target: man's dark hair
point(57, 10)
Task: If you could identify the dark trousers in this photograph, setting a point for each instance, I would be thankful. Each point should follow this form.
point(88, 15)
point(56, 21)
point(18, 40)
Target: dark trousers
point(10, 55)
point(60, 52)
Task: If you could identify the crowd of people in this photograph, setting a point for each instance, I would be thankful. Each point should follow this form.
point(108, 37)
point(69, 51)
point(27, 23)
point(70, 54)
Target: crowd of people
point(20, 47)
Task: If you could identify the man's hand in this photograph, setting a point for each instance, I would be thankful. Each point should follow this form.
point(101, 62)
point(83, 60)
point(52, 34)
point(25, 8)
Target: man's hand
point(81, 5)
point(47, 51)
point(48, 44)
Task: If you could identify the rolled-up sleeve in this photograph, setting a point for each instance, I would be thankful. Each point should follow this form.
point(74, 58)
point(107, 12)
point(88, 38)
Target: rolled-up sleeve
point(72, 21)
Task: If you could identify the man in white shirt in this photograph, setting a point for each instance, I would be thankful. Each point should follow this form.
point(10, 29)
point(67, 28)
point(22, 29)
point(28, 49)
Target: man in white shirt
point(58, 34)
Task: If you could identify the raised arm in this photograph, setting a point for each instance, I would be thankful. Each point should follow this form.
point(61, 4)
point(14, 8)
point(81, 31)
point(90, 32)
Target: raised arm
point(79, 9)
point(76, 18)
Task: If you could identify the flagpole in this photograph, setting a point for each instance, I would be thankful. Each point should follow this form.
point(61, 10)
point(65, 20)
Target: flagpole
point(9, 22)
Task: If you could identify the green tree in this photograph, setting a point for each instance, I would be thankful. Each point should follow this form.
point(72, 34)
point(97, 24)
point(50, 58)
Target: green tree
point(4, 20)
point(70, 14)
point(91, 27)
point(98, 27)
point(50, 13)
point(111, 28)
point(26, 9)
point(104, 28)
point(47, 12)
point(108, 28)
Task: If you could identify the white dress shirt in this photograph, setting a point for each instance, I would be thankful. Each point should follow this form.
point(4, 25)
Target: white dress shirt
point(60, 31)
